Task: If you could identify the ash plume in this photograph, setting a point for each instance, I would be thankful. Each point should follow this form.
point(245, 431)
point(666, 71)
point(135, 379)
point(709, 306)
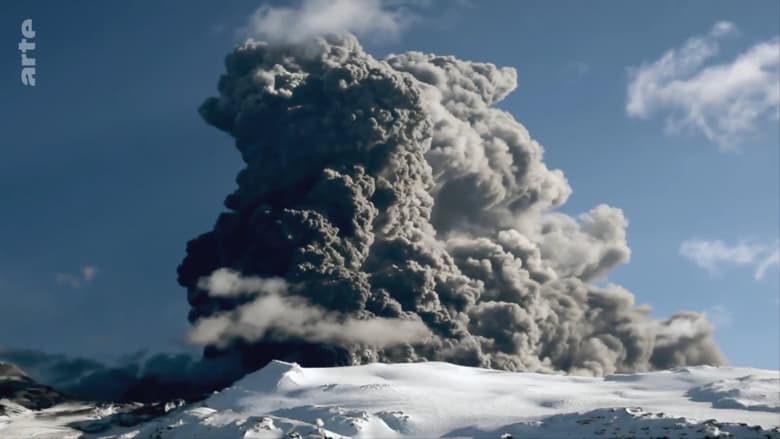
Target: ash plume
point(392, 193)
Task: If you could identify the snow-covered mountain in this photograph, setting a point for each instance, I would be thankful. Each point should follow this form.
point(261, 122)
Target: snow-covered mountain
point(433, 400)
point(18, 388)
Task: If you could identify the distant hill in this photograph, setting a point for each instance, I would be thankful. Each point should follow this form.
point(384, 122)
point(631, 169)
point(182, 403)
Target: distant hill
point(19, 388)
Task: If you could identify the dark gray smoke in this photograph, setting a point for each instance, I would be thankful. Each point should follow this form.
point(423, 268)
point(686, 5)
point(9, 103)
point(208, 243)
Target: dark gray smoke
point(385, 195)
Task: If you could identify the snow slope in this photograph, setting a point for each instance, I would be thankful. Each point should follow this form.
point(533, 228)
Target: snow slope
point(443, 400)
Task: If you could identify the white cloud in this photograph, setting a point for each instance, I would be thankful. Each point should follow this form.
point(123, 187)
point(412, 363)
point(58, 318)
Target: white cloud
point(712, 255)
point(274, 312)
point(772, 260)
point(725, 102)
point(719, 316)
point(368, 18)
point(85, 275)
point(88, 272)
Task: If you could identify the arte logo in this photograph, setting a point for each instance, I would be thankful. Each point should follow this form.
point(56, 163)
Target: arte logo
point(28, 62)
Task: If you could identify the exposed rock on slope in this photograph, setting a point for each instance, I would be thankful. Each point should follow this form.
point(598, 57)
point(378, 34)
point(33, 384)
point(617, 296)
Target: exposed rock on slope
point(17, 387)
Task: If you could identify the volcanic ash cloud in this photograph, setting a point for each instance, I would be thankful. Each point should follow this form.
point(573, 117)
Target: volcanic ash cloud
point(390, 195)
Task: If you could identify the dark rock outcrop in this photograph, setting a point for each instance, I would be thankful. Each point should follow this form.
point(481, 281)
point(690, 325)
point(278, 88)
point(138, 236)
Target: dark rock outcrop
point(17, 387)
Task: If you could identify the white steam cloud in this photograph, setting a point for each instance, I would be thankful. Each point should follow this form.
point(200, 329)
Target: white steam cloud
point(272, 313)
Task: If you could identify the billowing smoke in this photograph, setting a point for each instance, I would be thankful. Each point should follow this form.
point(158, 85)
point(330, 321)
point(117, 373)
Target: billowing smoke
point(389, 212)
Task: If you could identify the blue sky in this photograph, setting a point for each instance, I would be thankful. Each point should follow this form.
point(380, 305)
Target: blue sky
point(107, 169)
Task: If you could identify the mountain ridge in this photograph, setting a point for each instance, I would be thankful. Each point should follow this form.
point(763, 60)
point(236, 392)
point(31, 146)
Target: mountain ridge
point(434, 399)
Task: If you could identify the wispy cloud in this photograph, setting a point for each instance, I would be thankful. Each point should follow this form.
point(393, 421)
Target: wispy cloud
point(274, 310)
point(773, 260)
point(84, 276)
point(725, 102)
point(720, 316)
point(578, 68)
point(380, 19)
point(712, 255)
